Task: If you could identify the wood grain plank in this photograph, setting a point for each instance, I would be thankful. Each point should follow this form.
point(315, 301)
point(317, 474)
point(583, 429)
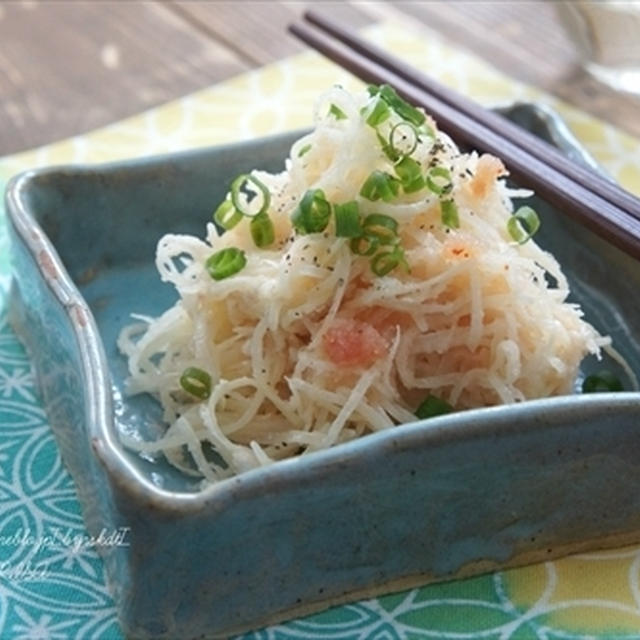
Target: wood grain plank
point(68, 67)
point(526, 41)
point(257, 31)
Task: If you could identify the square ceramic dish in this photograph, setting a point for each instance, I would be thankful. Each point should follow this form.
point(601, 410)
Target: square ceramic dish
point(432, 500)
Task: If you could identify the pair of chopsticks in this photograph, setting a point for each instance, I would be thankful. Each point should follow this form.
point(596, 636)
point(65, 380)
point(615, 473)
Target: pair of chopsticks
point(580, 192)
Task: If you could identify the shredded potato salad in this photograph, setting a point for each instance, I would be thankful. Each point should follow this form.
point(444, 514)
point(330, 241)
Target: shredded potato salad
point(382, 276)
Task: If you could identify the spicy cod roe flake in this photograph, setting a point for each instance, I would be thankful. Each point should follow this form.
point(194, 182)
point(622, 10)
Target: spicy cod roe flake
point(351, 343)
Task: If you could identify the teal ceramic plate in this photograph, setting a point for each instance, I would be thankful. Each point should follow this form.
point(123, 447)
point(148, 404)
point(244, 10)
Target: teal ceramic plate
point(456, 495)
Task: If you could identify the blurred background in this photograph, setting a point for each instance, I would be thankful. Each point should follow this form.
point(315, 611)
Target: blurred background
point(67, 67)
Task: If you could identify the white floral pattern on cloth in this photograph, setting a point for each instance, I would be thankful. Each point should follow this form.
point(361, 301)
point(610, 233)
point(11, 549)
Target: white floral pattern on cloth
point(51, 579)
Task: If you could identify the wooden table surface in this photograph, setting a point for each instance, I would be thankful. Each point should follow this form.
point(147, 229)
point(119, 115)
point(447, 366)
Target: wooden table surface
point(67, 67)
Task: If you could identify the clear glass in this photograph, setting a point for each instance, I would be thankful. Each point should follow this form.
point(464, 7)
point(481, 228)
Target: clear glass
point(606, 34)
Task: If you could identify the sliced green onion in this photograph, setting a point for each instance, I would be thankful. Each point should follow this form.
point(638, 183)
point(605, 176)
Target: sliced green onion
point(439, 180)
point(244, 189)
point(400, 106)
point(337, 112)
point(523, 224)
point(601, 382)
point(410, 173)
point(347, 220)
point(305, 149)
point(449, 214)
point(433, 406)
point(196, 382)
point(387, 150)
point(225, 263)
point(380, 230)
point(313, 213)
point(397, 138)
point(383, 227)
point(365, 245)
point(385, 262)
point(377, 112)
point(226, 215)
point(262, 230)
point(380, 185)
point(425, 130)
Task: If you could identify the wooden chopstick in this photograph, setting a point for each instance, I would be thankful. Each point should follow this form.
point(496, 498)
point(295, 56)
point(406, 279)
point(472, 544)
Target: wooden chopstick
point(587, 177)
point(591, 209)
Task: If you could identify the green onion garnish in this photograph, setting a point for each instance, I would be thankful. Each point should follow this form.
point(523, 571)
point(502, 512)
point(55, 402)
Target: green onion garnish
point(433, 406)
point(439, 180)
point(387, 150)
point(305, 149)
point(426, 130)
point(337, 112)
point(196, 382)
point(226, 215)
point(383, 227)
point(262, 230)
point(313, 213)
point(410, 174)
point(380, 185)
point(377, 112)
point(380, 230)
point(601, 382)
point(449, 214)
point(365, 245)
point(399, 135)
point(400, 106)
point(523, 224)
point(385, 262)
point(244, 189)
point(225, 263)
point(347, 220)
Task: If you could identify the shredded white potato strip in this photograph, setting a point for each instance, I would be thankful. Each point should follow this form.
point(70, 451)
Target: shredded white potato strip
point(306, 346)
